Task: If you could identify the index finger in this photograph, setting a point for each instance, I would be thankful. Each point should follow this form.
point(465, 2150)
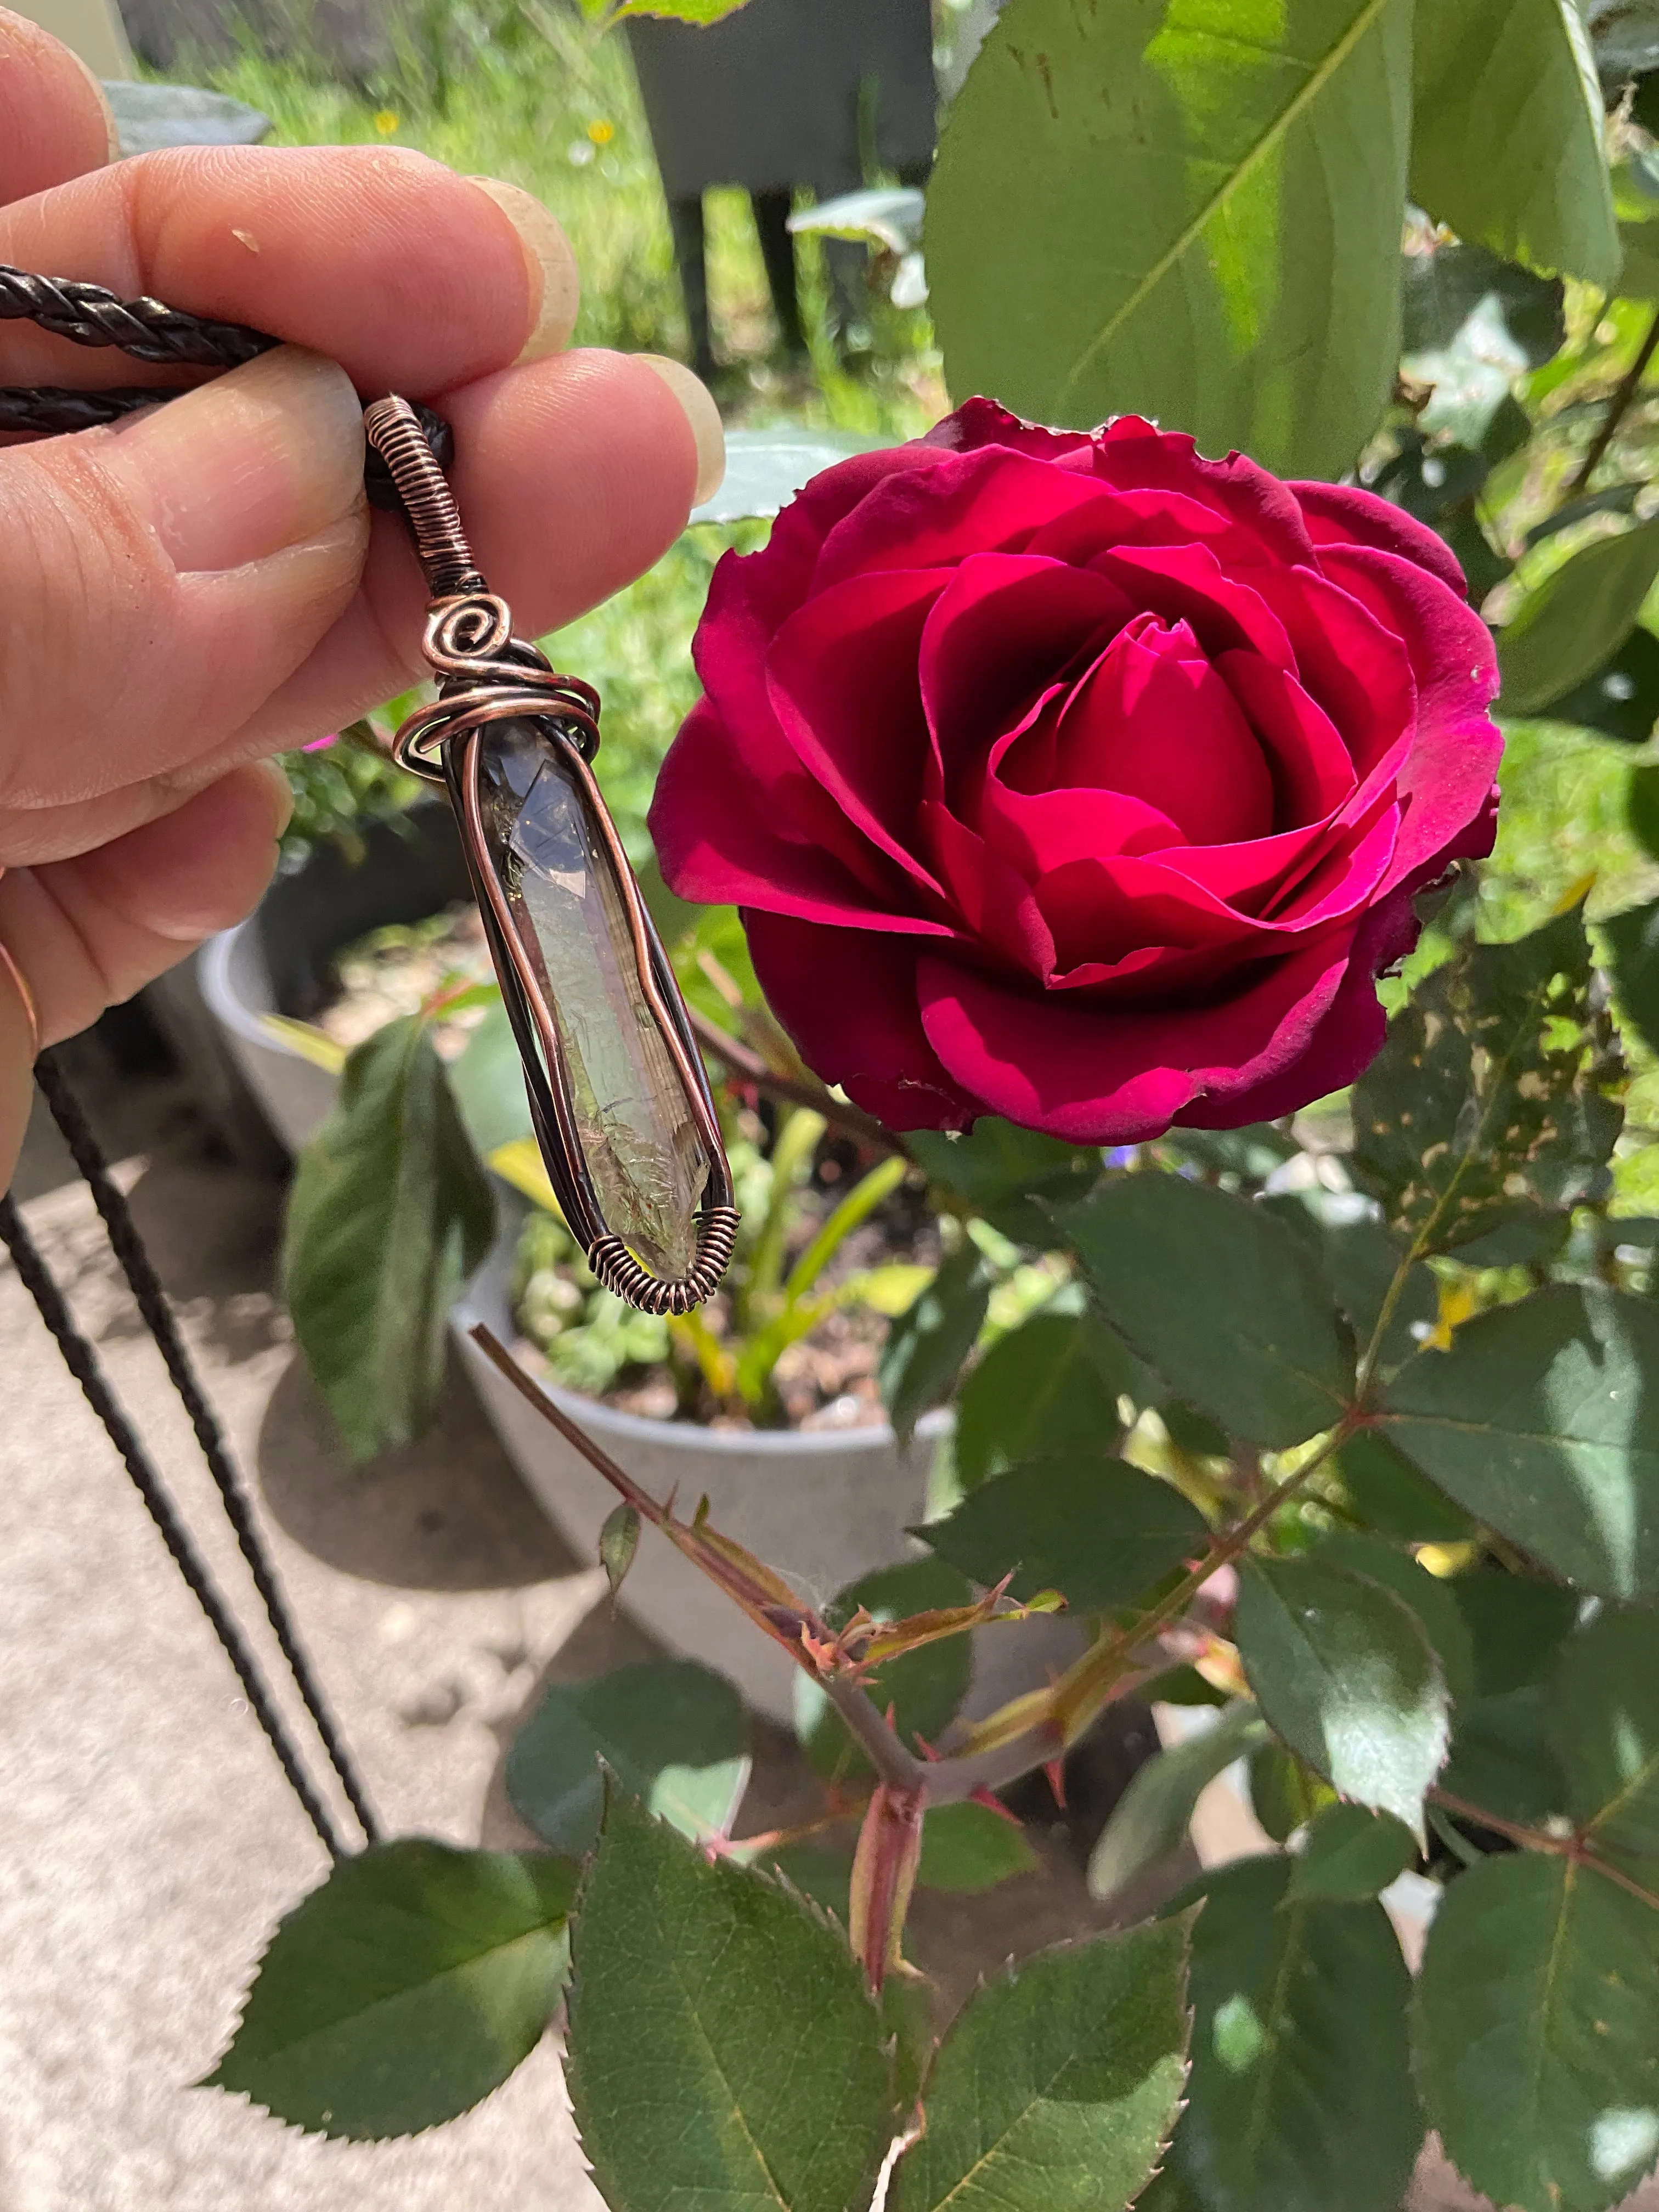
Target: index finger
point(413, 278)
point(54, 119)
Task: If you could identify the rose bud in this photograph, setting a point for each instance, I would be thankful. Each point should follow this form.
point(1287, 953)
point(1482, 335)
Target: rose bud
point(1078, 779)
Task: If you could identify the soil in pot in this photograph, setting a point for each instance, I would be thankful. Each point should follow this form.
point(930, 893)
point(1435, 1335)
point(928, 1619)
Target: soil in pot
point(710, 1369)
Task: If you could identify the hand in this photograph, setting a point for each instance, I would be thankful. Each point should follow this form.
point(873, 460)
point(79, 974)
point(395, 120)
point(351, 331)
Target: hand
point(203, 584)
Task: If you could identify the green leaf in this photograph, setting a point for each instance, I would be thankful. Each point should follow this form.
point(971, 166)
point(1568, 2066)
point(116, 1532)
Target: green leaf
point(1603, 1708)
point(389, 1212)
point(1388, 1492)
point(619, 1539)
point(671, 1731)
point(1362, 1258)
point(1345, 1674)
point(1542, 1421)
point(1050, 1386)
point(1226, 1302)
point(764, 468)
point(403, 1989)
point(1580, 614)
point(924, 1687)
point(1537, 194)
point(1485, 1106)
point(1633, 943)
point(927, 1345)
point(1516, 1626)
point(1057, 2084)
point(1501, 1759)
point(1431, 1602)
point(1536, 2032)
point(1300, 2098)
point(487, 1081)
point(970, 1848)
point(1441, 289)
point(1285, 1794)
point(1642, 808)
point(1009, 1175)
point(1092, 1528)
point(1621, 699)
point(906, 2015)
point(1246, 288)
point(1150, 1819)
point(819, 1872)
point(1350, 1854)
point(723, 2049)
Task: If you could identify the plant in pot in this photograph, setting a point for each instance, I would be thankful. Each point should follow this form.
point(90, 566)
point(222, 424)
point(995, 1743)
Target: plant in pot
point(1079, 794)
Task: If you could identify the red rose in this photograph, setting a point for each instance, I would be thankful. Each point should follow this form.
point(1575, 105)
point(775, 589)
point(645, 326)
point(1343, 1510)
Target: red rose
point(1079, 779)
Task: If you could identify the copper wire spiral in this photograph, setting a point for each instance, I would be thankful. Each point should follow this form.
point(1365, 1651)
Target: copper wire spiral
point(489, 676)
point(635, 1283)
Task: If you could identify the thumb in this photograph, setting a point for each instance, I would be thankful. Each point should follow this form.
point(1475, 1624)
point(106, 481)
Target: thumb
point(158, 580)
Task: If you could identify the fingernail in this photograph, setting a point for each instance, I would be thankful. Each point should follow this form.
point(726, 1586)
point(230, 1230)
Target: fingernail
point(110, 124)
point(702, 414)
point(264, 459)
point(555, 281)
point(281, 794)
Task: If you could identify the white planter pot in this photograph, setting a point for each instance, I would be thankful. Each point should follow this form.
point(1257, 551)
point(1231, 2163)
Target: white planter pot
point(822, 1507)
point(275, 962)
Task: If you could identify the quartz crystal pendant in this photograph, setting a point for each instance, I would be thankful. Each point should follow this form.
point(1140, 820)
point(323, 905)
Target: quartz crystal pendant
point(641, 1142)
point(620, 1104)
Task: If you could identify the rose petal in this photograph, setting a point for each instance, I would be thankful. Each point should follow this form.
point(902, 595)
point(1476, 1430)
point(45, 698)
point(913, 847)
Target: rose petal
point(981, 421)
point(1344, 514)
point(724, 839)
point(1151, 719)
point(848, 997)
point(1187, 583)
point(842, 681)
point(1352, 664)
point(1311, 770)
point(1003, 627)
point(1042, 829)
point(1116, 1077)
point(1446, 779)
point(987, 501)
point(992, 897)
point(1141, 518)
point(1134, 455)
point(1345, 1038)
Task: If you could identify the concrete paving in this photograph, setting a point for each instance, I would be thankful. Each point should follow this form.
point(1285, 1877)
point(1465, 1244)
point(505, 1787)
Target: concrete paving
point(149, 1842)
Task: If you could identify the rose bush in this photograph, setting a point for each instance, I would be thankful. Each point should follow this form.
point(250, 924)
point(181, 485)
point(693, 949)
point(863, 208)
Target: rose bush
point(1080, 779)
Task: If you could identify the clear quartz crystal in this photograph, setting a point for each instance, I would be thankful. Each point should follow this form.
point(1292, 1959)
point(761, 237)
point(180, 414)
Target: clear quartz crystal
point(644, 1149)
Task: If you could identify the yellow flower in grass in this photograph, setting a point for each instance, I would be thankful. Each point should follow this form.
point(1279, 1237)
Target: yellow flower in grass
point(386, 120)
point(601, 132)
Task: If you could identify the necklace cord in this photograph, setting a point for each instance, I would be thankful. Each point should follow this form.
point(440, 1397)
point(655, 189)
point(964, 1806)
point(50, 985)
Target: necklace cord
point(154, 1305)
point(84, 1364)
point(150, 331)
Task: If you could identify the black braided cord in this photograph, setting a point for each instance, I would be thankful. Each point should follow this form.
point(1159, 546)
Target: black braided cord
point(153, 1303)
point(88, 315)
point(83, 1364)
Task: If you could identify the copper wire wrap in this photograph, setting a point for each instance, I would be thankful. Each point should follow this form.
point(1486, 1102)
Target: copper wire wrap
point(487, 675)
point(394, 428)
point(635, 1283)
